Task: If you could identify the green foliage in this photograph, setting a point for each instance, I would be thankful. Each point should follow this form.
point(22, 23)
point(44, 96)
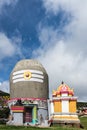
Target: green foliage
point(4, 112)
point(81, 105)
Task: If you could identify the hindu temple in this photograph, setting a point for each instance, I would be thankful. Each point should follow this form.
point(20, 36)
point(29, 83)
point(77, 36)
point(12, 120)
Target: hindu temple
point(63, 105)
point(28, 93)
point(29, 97)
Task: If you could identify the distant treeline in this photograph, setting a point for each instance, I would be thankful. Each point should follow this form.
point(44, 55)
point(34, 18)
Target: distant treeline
point(81, 105)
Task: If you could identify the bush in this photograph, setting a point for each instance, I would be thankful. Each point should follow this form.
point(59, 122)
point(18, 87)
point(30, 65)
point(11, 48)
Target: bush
point(4, 113)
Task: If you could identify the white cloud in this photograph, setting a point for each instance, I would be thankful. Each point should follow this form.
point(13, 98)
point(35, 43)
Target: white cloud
point(9, 47)
point(65, 57)
point(0, 83)
point(6, 2)
point(6, 47)
point(77, 26)
point(5, 86)
point(66, 5)
point(63, 65)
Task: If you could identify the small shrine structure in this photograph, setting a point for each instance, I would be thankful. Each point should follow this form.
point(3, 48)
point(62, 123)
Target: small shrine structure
point(62, 106)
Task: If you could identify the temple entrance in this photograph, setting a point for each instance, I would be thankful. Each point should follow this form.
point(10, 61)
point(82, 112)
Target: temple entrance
point(28, 114)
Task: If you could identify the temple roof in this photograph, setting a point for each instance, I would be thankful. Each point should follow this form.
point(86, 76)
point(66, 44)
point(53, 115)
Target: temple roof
point(63, 88)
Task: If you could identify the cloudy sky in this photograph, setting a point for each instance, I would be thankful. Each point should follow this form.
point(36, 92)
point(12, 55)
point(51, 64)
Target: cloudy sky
point(52, 31)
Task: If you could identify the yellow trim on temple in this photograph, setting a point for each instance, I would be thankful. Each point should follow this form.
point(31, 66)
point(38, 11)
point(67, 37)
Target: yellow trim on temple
point(57, 106)
point(18, 110)
point(72, 106)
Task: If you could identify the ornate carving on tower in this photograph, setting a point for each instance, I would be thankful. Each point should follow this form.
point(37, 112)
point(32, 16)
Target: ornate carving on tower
point(63, 88)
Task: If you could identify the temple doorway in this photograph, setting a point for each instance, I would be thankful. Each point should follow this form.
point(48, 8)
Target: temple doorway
point(28, 114)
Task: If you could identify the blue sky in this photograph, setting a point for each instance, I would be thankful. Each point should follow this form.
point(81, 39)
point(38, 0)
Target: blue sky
point(51, 31)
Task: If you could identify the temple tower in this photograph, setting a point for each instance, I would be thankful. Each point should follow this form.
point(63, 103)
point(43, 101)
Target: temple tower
point(29, 92)
point(63, 105)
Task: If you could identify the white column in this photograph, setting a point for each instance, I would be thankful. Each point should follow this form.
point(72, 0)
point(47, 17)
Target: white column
point(65, 106)
point(52, 107)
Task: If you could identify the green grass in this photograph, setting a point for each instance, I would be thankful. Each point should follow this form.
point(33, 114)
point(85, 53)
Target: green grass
point(82, 119)
point(3, 127)
point(84, 122)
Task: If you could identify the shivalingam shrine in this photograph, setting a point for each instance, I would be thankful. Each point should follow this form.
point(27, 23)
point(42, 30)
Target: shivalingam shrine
point(29, 102)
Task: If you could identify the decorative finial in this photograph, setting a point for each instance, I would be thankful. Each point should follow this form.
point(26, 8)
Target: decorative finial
point(62, 82)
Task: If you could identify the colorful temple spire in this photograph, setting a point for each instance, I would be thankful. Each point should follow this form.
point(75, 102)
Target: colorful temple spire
point(63, 88)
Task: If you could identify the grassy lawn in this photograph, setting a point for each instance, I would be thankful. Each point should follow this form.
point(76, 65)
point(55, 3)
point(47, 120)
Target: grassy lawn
point(83, 122)
point(3, 127)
